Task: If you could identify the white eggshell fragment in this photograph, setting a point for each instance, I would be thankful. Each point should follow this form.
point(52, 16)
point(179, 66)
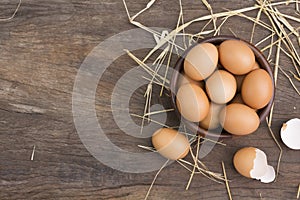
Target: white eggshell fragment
point(290, 133)
point(260, 164)
point(269, 176)
point(261, 170)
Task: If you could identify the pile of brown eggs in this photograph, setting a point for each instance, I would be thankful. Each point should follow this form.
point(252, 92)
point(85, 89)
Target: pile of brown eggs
point(223, 86)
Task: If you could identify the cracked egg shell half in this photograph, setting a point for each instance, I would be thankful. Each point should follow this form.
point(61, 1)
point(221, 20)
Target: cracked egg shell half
point(252, 163)
point(290, 133)
point(170, 143)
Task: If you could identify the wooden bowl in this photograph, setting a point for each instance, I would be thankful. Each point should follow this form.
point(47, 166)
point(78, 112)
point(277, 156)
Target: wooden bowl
point(217, 40)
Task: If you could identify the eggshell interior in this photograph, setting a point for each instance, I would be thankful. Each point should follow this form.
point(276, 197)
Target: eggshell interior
point(260, 165)
point(269, 176)
point(290, 133)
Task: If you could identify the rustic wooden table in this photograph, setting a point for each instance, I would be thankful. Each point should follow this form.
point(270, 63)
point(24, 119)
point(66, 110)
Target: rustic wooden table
point(41, 50)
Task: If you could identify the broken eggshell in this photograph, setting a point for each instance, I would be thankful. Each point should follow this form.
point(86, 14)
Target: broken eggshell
point(290, 134)
point(252, 163)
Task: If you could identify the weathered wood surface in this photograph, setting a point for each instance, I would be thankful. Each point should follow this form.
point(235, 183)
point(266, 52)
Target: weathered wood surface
point(41, 50)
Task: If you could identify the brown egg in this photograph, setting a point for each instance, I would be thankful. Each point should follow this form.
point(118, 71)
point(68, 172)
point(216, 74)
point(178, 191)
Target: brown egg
point(239, 119)
point(201, 61)
point(236, 56)
point(211, 121)
point(257, 89)
point(221, 86)
point(185, 79)
point(192, 102)
point(243, 161)
point(170, 143)
point(252, 163)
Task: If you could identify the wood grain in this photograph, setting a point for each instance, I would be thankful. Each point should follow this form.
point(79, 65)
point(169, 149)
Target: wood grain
point(41, 50)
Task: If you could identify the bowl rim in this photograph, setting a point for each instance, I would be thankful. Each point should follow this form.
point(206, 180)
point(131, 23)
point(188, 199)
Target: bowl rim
point(216, 40)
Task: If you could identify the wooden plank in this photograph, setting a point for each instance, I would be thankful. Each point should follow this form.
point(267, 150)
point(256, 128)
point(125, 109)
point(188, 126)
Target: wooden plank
point(41, 50)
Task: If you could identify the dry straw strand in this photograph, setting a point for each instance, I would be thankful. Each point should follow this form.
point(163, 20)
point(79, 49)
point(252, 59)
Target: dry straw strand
point(278, 145)
point(226, 181)
point(147, 148)
point(274, 42)
point(184, 166)
point(209, 8)
point(298, 193)
point(213, 141)
point(155, 82)
point(233, 33)
point(293, 61)
point(148, 69)
point(275, 78)
point(154, 121)
point(289, 26)
point(260, 196)
point(171, 50)
point(32, 154)
point(149, 4)
point(204, 171)
point(195, 165)
point(257, 18)
point(159, 111)
point(281, 14)
point(264, 39)
point(280, 30)
point(270, 50)
point(155, 177)
point(257, 22)
point(291, 81)
point(14, 14)
point(203, 18)
point(182, 22)
point(295, 76)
